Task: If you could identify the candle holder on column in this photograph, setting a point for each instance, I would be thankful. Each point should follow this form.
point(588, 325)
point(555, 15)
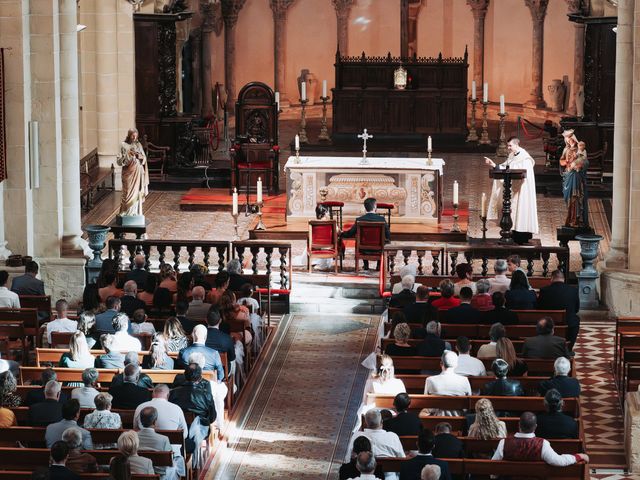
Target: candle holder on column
point(484, 135)
point(455, 227)
point(429, 161)
point(302, 133)
point(483, 219)
point(502, 140)
point(260, 226)
point(236, 236)
point(324, 131)
point(473, 134)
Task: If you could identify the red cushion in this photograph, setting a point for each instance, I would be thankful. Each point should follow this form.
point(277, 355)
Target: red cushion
point(346, 226)
point(390, 206)
point(274, 291)
point(370, 236)
point(332, 204)
point(330, 251)
point(386, 294)
point(322, 234)
point(254, 165)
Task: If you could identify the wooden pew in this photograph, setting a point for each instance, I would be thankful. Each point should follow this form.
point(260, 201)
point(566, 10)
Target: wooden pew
point(537, 366)
point(416, 383)
point(12, 338)
point(105, 374)
point(467, 466)
point(22, 415)
point(481, 331)
point(525, 317)
point(26, 475)
point(28, 317)
point(27, 458)
point(513, 404)
point(460, 425)
point(42, 303)
point(475, 344)
point(475, 445)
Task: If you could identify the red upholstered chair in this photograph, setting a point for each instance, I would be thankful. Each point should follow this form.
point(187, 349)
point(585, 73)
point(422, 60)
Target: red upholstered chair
point(388, 207)
point(323, 241)
point(335, 208)
point(370, 240)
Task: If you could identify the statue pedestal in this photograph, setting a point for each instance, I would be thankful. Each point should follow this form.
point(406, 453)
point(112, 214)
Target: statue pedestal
point(130, 220)
point(632, 431)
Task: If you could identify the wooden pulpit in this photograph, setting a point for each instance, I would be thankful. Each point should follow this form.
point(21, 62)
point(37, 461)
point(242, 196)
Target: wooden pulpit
point(507, 175)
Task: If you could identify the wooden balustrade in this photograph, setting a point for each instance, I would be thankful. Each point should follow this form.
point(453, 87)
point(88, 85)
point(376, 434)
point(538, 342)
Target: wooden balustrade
point(243, 248)
point(219, 250)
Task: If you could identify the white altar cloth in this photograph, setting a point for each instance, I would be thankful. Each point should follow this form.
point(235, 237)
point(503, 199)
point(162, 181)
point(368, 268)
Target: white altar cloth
point(409, 183)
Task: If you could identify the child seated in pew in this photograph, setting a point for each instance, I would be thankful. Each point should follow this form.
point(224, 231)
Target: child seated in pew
point(139, 323)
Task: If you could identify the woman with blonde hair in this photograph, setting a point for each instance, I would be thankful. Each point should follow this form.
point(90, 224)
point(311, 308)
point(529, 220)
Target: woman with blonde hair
point(128, 444)
point(167, 278)
point(506, 351)
point(174, 335)
point(487, 426)
point(158, 358)
point(78, 355)
point(401, 346)
point(386, 382)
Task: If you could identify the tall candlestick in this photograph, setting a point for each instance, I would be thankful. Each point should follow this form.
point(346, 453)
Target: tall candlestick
point(303, 90)
point(501, 103)
point(429, 144)
point(483, 205)
point(485, 93)
point(234, 210)
point(473, 90)
point(277, 100)
point(297, 142)
point(259, 191)
point(324, 88)
point(455, 192)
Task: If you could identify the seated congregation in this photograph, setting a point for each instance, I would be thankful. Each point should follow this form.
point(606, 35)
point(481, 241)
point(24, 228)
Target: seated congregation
point(135, 382)
point(471, 376)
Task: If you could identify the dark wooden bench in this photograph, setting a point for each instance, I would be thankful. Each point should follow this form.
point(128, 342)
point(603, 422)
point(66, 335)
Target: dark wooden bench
point(475, 445)
point(28, 317)
point(22, 415)
point(94, 179)
point(475, 344)
point(42, 303)
point(433, 281)
point(26, 475)
point(28, 458)
point(481, 331)
point(415, 383)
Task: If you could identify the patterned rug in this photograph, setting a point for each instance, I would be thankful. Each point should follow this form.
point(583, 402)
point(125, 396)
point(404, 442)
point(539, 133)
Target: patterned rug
point(304, 407)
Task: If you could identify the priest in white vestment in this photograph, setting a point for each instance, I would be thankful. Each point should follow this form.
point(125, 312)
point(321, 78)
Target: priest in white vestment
point(524, 211)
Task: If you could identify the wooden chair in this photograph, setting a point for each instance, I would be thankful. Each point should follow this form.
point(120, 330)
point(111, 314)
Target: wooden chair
point(370, 240)
point(387, 207)
point(323, 242)
point(335, 210)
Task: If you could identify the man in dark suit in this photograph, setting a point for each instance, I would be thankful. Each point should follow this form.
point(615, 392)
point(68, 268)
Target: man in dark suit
point(371, 216)
point(48, 411)
point(129, 395)
point(212, 357)
point(500, 313)
point(567, 386)
point(554, 423)
point(217, 339)
point(421, 311)
point(560, 296)
point(37, 395)
point(28, 284)
point(138, 274)
point(104, 320)
point(432, 345)
point(405, 422)
point(406, 295)
point(59, 456)
point(350, 470)
point(464, 313)
point(181, 314)
point(545, 344)
point(129, 302)
point(236, 279)
point(447, 445)
point(411, 469)
point(191, 397)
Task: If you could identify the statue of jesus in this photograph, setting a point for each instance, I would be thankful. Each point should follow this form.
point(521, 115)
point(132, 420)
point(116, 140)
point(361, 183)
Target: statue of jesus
point(135, 175)
point(524, 211)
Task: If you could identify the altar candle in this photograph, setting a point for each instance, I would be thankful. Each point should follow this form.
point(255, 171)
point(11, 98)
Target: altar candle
point(501, 103)
point(297, 142)
point(324, 88)
point(303, 91)
point(485, 93)
point(429, 144)
point(234, 210)
point(278, 101)
point(455, 192)
point(473, 90)
point(259, 190)
point(483, 205)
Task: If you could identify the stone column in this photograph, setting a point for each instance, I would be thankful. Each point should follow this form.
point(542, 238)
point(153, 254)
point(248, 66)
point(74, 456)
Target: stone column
point(207, 11)
point(617, 255)
point(279, 9)
point(230, 11)
point(633, 178)
point(404, 28)
point(479, 11)
point(574, 6)
point(343, 9)
point(412, 28)
point(72, 243)
point(538, 9)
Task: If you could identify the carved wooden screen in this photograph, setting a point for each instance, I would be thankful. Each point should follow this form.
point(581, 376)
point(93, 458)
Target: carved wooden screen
point(3, 138)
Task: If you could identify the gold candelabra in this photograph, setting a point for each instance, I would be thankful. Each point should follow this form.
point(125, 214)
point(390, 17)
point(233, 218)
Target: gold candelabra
point(484, 136)
point(473, 134)
point(502, 141)
point(302, 133)
point(324, 131)
point(455, 227)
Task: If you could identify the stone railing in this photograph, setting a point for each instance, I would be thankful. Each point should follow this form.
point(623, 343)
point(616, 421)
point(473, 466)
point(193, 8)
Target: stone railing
point(276, 254)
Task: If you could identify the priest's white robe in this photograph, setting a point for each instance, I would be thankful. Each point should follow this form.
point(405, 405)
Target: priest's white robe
point(524, 210)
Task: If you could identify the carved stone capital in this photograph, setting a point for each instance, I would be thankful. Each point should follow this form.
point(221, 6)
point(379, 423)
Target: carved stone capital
point(478, 8)
point(538, 9)
point(230, 11)
point(575, 6)
point(342, 7)
point(211, 17)
point(280, 7)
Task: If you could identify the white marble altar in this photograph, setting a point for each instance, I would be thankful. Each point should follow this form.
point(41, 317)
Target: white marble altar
point(414, 187)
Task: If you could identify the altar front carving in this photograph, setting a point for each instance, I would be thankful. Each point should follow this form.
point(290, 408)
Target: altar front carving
point(412, 186)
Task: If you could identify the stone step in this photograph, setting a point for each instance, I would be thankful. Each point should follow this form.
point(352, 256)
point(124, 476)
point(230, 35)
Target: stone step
point(345, 306)
point(315, 291)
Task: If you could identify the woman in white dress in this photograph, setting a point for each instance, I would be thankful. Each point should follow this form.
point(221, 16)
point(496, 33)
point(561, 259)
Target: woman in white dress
point(385, 382)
